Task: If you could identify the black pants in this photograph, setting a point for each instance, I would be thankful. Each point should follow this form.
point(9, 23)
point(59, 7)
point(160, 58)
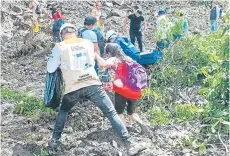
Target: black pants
point(136, 34)
point(120, 104)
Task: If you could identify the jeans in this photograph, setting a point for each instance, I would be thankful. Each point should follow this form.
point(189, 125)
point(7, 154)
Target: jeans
point(214, 25)
point(136, 34)
point(98, 96)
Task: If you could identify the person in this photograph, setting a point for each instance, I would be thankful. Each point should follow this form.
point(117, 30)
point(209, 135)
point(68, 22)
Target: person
point(99, 31)
point(136, 20)
point(145, 58)
point(163, 25)
point(87, 33)
point(128, 48)
point(34, 5)
point(214, 16)
point(124, 94)
point(101, 22)
point(182, 22)
point(96, 12)
point(58, 20)
point(82, 82)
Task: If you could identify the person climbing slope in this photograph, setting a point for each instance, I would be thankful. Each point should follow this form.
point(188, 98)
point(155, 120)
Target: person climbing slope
point(87, 33)
point(82, 82)
point(58, 20)
point(124, 93)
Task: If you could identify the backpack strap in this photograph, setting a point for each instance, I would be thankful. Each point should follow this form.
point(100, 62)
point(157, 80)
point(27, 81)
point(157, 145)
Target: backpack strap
point(81, 30)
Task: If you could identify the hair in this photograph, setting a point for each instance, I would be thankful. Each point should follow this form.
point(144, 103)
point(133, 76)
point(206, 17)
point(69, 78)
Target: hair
point(115, 51)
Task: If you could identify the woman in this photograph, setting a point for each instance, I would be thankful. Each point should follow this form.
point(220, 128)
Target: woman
point(123, 93)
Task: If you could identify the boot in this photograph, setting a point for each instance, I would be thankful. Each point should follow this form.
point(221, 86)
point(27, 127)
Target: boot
point(134, 148)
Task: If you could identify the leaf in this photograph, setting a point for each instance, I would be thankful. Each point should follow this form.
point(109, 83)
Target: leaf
point(226, 123)
point(202, 148)
point(203, 91)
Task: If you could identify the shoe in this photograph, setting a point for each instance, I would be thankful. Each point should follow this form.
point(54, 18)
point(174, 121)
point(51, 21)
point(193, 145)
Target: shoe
point(54, 143)
point(134, 148)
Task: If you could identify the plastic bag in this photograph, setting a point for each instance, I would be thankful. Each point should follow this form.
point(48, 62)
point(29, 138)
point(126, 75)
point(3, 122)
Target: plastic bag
point(53, 89)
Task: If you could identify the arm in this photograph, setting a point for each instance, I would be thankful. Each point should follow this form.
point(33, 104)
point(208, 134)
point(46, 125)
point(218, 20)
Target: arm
point(54, 60)
point(104, 63)
point(145, 25)
point(125, 23)
point(93, 13)
point(96, 48)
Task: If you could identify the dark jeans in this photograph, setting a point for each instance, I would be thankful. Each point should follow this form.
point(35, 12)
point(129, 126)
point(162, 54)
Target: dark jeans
point(120, 104)
point(98, 96)
point(136, 34)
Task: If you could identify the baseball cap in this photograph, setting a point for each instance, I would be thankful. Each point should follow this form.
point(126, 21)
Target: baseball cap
point(139, 11)
point(90, 20)
point(102, 17)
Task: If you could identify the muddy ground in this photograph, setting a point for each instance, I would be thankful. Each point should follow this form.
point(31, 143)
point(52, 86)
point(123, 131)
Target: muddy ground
point(87, 133)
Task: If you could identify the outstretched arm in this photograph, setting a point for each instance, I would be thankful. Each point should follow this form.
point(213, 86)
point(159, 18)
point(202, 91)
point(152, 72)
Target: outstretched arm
point(104, 63)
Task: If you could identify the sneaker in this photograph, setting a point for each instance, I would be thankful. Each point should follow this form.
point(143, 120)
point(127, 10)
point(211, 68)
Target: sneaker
point(54, 143)
point(134, 148)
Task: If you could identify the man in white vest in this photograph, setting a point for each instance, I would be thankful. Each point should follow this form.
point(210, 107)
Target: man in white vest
point(76, 59)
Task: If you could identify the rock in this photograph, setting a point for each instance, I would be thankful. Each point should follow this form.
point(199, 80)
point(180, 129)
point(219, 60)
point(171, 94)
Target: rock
point(108, 4)
point(114, 144)
point(16, 10)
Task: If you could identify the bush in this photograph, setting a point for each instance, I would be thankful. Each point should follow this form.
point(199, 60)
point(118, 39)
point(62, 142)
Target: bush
point(26, 105)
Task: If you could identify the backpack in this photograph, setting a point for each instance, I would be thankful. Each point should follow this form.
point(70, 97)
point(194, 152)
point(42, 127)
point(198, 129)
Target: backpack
point(80, 31)
point(136, 78)
point(98, 32)
point(56, 27)
point(128, 48)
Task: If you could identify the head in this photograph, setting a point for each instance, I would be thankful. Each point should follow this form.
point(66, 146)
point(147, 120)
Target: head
point(98, 5)
point(161, 12)
point(102, 19)
point(114, 50)
point(138, 13)
point(67, 30)
point(90, 22)
point(110, 36)
point(213, 3)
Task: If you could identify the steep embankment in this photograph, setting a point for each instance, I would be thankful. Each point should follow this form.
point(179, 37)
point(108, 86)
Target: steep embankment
point(24, 57)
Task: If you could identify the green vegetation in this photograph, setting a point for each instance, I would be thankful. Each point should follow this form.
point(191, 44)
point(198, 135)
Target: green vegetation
point(194, 60)
point(26, 105)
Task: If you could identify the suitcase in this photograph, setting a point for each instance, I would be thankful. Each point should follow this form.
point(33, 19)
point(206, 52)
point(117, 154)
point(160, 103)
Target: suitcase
point(150, 57)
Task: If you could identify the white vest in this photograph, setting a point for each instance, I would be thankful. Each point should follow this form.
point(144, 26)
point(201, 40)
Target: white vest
point(77, 64)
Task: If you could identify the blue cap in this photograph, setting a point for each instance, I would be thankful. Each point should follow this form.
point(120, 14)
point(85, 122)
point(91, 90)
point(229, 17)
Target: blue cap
point(161, 12)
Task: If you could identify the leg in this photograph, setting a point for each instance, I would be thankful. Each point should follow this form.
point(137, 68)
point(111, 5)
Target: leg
point(132, 37)
point(98, 96)
point(139, 40)
point(120, 103)
point(135, 117)
point(67, 103)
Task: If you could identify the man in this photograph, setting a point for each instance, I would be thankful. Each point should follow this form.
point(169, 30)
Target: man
point(96, 12)
point(87, 33)
point(128, 48)
point(59, 20)
point(136, 20)
point(99, 31)
point(162, 28)
point(82, 82)
point(214, 16)
point(101, 22)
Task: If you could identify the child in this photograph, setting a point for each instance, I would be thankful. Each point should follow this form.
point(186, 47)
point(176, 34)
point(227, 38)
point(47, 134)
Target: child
point(124, 94)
